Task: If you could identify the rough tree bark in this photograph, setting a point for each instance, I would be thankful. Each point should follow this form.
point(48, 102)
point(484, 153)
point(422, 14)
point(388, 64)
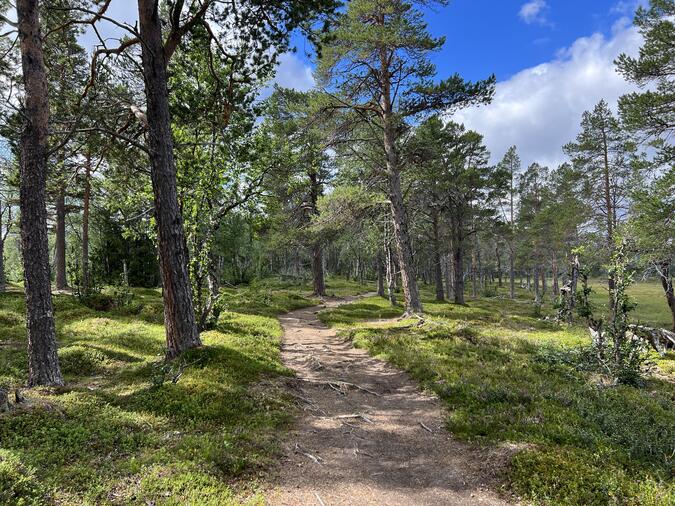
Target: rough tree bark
point(474, 273)
point(391, 273)
point(380, 275)
point(413, 303)
point(317, 270)
point(86, 199)
point(458, 264)
point(43, 363)
point(179, 317)
point(449, 276)
point(499, 266)
point(512, 275)
point(438, 266)
point(60, 249)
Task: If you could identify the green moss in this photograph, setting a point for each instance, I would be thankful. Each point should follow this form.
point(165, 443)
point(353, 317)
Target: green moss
point(508, 377)
point(18, 482)
point(121, 431)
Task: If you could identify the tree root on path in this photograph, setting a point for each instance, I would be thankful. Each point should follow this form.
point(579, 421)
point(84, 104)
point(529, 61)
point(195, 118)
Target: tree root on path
point(339, 385)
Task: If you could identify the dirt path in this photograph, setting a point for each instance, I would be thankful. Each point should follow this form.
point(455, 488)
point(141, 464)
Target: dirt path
point(368, 435)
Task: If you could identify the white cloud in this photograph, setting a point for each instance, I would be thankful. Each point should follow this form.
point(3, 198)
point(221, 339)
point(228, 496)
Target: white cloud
point(539, 109)
point(534, 11)
point(294, 73)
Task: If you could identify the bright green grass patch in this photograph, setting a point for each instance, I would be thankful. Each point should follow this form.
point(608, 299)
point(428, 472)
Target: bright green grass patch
point(121, 431)
point(498, 370)
point(651, 306)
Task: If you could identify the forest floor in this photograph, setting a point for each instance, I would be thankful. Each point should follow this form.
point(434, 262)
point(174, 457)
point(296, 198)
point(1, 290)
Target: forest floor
point(509, 399)
point(506, 375)
point(369, 435)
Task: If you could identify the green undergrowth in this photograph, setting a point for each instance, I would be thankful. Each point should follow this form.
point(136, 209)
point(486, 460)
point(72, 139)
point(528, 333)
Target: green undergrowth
point(121, 431)
point(508, 376)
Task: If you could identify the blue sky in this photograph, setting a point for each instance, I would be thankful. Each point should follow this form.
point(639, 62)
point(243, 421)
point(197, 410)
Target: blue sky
point(488, 36)
point(553, 60)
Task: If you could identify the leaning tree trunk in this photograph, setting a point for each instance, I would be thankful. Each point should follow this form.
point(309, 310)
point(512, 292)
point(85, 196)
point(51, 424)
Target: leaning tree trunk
point(60, 250)
point(413, 303)
point(43, 363)
point(318, 279)
point(86, 199)
point(667, 283)
point(411, 294)
point(179, 316)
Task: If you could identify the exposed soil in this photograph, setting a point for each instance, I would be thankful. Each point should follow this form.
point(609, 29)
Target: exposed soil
point(368, 434)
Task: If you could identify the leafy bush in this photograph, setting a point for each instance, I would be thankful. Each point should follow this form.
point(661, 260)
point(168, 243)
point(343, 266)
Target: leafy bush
point(80, 360)
point(18, 483)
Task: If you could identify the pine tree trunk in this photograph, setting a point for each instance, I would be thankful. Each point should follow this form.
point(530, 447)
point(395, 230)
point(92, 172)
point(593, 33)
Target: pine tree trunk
point(449, 276)
point(391, 275)
point(413, 303)
point(317, 271)
point(179, 316)
point(609, 210)
point(86, 199)
point(537, 297)
point(380, 275)
point(474, 280)
point(411, 294)
point(3, 277)
point(667, 284)
point(499, 266)
point(60, 250)
point(438, 266)
point(43, 363)
point(458, 262)
point(554, 273)
point(543, 283)
point(512, 275)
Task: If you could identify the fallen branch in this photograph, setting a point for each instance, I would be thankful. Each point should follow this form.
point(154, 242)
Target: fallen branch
point(355, 415)
point(318, 498)
point(336, 384)
point(299, 450)
point(660, 339)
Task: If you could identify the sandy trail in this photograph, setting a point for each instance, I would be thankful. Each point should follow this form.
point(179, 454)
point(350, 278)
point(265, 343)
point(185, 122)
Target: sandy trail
point(382, 443)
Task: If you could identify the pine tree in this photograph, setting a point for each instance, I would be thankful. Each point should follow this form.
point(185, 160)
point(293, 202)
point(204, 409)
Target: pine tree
point(43, 364)
point(601, 154)
point(652, 111)
point(377, 66)
point(510, 166)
